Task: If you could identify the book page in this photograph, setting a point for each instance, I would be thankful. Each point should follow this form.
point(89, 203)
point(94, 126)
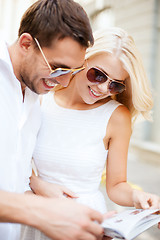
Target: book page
point(124, 222)
point(144, 224)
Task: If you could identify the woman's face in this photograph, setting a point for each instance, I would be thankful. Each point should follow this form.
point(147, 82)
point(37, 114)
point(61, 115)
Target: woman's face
point(91, 92)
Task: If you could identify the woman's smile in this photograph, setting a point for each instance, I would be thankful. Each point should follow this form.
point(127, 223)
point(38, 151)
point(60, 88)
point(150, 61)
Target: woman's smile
point(94, 93)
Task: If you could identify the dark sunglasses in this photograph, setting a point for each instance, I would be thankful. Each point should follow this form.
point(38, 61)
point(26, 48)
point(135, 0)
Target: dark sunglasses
point(96, 76)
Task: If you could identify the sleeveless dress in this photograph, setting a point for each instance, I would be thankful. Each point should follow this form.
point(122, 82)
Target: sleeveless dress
point(70, 152)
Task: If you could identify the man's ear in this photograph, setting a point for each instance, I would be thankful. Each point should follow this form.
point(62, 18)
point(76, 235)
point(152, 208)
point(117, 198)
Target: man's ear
point(25, 41)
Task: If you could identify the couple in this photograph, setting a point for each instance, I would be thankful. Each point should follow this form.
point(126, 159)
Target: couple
point(83, 125)
point(88, 124)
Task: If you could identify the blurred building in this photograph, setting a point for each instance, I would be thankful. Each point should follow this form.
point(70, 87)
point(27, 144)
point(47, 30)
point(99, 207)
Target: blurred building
point(11, 12)
point(141, 18)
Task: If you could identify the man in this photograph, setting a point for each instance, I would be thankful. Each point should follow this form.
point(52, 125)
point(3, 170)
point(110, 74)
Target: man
point(53, 37)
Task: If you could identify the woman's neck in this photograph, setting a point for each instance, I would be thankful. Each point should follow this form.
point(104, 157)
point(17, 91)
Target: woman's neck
point(69, 98)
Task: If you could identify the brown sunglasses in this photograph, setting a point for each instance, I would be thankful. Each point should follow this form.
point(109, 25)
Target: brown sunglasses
point(96, 76)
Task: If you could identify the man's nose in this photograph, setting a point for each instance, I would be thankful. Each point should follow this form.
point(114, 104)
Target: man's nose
point(64, 80)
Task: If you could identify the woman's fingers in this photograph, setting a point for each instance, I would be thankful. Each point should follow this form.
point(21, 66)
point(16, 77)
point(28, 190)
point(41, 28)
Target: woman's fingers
point(68, 193)
point(145, 200)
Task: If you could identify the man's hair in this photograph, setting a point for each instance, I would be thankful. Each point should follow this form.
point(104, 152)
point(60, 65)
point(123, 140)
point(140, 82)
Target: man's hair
point(49, 20)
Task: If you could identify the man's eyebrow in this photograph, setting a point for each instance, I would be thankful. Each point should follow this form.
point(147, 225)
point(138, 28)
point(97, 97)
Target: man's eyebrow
point(58, 65)
point(61, 65)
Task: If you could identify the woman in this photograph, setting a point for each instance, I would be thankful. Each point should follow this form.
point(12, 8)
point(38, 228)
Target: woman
point(89, 124)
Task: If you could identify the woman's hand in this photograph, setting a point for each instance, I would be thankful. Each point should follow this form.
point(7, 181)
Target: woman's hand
point(145, 200)
point(47, 189)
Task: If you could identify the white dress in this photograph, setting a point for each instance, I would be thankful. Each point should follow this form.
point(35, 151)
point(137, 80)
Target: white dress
point(70, 152)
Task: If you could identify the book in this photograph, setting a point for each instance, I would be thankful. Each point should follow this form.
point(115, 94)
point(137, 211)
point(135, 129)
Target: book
point(130, 223)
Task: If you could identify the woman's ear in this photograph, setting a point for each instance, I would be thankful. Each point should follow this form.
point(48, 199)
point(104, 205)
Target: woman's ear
point(25, 41)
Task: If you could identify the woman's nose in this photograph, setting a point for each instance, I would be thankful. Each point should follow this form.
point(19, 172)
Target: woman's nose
point(103, 87)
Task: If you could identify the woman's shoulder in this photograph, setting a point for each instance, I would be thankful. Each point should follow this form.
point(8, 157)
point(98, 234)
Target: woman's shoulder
point(120, 118)
point(119, 124)
point(121, 114)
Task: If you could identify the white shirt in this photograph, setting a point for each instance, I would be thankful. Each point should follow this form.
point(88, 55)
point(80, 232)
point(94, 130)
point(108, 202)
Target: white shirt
point(19, 125)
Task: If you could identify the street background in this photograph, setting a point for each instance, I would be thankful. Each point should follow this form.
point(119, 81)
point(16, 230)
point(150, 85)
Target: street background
point(140, 18)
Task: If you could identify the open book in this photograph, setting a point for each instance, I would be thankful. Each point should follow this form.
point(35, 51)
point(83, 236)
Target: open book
point(130, 223)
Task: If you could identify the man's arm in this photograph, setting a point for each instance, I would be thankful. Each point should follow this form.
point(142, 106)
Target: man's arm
point(58, 218)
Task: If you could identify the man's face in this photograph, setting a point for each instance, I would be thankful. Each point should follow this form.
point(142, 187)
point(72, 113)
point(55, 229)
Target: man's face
point(35, 73)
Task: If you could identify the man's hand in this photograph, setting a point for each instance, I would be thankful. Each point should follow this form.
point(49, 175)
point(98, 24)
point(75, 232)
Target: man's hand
point(58, 218)
point(65, 219)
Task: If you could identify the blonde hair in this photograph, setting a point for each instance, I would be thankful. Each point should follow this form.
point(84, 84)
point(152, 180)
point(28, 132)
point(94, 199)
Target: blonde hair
point(137, 97)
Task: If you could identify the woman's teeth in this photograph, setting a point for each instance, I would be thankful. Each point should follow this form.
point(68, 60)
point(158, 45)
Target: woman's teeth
point(94, 93)
point(49, 83)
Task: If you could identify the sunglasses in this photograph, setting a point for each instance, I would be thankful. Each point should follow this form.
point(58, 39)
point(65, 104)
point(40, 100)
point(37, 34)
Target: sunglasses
point(58, 71)
point(96, 76)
